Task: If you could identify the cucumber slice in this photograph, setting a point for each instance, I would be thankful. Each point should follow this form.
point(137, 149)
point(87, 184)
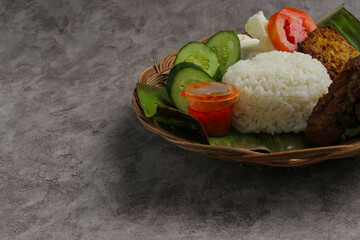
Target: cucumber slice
point(179, 77)
point(202, 55)
point(226, 45)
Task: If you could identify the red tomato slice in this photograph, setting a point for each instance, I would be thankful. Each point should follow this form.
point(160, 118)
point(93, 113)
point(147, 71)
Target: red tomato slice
point(288, 27)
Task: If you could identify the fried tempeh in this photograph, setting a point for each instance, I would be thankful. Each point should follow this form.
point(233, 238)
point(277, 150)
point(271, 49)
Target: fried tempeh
point(337, 110)
point(331, 49)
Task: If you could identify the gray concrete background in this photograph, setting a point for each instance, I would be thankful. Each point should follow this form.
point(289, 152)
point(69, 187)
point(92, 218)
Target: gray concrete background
point(75, 163)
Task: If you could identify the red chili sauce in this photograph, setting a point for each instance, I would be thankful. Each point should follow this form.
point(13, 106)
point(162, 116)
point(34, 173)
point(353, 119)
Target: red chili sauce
point(216, 123)
point(212, 103)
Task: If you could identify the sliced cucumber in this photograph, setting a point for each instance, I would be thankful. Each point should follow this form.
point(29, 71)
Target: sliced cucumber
point(202, 55)
point(226, 45)
point(179, 77)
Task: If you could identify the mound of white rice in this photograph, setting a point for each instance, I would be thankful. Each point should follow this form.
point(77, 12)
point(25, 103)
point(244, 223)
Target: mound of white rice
point(277, 91)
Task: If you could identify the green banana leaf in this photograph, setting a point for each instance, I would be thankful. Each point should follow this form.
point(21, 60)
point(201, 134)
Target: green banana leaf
point(345, 24)
point(151, 96)
point(262, 142)
point(156, 104)
point(353, 132)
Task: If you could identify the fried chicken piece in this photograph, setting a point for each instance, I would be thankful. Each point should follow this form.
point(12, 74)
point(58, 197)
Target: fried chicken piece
point(338, 109)
point(330, 48)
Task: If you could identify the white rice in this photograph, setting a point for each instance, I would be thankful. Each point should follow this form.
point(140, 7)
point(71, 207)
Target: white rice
point(277, 91)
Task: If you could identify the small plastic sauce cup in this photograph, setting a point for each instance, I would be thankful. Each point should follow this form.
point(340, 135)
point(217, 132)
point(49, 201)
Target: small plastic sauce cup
point(212, 104)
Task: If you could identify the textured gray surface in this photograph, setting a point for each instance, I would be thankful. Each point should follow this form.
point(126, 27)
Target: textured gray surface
point(75, 163)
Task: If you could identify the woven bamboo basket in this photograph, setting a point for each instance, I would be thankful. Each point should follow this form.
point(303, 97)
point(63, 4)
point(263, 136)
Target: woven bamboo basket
point(157, 75)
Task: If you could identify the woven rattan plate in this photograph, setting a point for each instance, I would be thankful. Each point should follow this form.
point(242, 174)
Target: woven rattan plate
point(156, 75)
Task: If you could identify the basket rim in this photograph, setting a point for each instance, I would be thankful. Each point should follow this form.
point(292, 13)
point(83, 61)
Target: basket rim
point(293, 158)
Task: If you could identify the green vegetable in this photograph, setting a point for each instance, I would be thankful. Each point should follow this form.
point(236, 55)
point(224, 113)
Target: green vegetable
point(150, 97)
point(179, 77)
point(157, 105)
point(345, 24)
point(226, 45)
point(202, 55)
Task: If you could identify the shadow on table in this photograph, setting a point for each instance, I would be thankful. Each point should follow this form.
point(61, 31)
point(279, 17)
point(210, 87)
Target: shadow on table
point(160, 181)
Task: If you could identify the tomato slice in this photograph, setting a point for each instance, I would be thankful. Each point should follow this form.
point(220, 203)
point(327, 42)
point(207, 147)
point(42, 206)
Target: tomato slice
point(288, 27)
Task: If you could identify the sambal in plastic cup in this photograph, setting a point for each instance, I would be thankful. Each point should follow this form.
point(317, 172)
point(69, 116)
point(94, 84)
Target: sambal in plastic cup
point(212, 104)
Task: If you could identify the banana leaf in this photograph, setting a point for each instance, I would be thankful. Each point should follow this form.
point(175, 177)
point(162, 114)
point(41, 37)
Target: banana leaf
point(353, 132)
point(345, 24)
point(156, 104)
point(262, 142)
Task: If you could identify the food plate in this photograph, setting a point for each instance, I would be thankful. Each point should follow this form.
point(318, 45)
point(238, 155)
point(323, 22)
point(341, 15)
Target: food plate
point(157, 75)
